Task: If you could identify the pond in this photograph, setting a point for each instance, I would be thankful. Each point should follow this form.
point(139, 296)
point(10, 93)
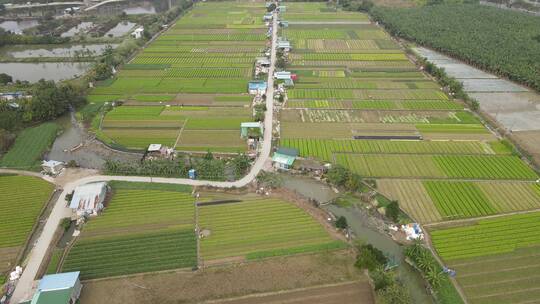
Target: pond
point(120, 29)
point(359, 221)
point(25, 51)
point(17, 27)
point(33, 72)
point(76, 144)
point(80, 28)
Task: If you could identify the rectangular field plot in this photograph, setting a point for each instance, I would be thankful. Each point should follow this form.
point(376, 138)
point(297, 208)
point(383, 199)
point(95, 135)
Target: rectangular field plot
point(257, 228)
point(412, 197)
point(140, 231)
point(23, 198)
point(458, 199)
point(324, 149)
point(488, 237)
point(29, 146)
point(437, 166)
point(503, 278)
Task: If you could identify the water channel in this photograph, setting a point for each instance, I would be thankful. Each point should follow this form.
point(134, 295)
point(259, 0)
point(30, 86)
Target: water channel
point(358, 220)
point(76, 144)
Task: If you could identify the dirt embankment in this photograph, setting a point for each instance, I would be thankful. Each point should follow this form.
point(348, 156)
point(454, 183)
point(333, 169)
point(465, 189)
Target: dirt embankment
point(238, 280)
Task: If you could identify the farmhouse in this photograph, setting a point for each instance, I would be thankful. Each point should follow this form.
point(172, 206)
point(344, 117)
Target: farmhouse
point(61, 288)
point(257, 87)
point(284, 44)
point(88, 199)
point(284, 158)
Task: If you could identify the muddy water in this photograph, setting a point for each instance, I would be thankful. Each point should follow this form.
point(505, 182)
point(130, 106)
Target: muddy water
point(33, 72)
point(362, 225)
point(17, 27)
point(24, 51)
point(92, 154)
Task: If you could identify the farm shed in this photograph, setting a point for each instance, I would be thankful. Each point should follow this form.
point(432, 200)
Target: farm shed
point(137, 33)
point(263, 61)
point(52, 166)
point(60, 288)
point(245, 126)
point(283, 44)
point(267, 17)
point(282, 75)
point(284, 158)
point(284, 23)
point(88, 199)
point(257, 87)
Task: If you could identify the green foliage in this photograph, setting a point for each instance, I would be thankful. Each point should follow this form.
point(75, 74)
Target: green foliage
point(341, 223)
point(240, 164)
point(6, 140)
point(395, 294)
point(392, 211)
point(468, 35)
point(56, 255)
point(65, 223)
point(5, 78)
point(269, 179)
point(163, 168)
point(370, 258)
point(381, 279)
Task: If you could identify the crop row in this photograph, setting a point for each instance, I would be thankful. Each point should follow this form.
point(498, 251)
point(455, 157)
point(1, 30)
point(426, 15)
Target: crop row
point(489, 236)
point(324, 148)
point(458, 199)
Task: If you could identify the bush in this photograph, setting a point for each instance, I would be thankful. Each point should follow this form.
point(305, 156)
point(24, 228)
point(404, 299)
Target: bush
point(392, 211)
point(66, 223)
point(394, 294)
point(341, 223)
point(370, 258)
point(381, 279)
point(5, 78)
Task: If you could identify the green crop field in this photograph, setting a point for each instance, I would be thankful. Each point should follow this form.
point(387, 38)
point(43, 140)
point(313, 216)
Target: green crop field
point(458, 199)
point(496, 260)
point(324, 148)
point(207, 58)
point(141, 230)
point(29, 147)
point(257, 228)
point(437, 166)
point(23, 198)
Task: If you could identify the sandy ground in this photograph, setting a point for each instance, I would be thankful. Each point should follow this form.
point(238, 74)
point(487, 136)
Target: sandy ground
point(238, 280)
point(348, 293)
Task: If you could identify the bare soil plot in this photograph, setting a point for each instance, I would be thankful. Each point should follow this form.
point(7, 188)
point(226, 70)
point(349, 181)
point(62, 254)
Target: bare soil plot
point(348, 293)
point(413, 198)
point(226, 281)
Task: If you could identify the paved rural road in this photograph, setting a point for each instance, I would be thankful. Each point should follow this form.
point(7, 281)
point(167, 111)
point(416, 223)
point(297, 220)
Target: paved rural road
point(35, 258)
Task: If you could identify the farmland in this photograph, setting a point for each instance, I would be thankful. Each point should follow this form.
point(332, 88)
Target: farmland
point(141, 231)
point(360, 103)
point(23, 199)
point(205, 59)
point(29, 147)
point(431, 201)
point(496, 260)
point(257, 228)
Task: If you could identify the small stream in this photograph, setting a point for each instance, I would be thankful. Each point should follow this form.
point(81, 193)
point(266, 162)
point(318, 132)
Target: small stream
point(358, 221)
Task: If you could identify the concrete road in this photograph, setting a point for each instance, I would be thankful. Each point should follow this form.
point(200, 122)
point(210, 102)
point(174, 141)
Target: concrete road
point(25, 286)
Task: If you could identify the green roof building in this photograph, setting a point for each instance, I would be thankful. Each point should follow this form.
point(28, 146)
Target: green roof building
point(60, 288)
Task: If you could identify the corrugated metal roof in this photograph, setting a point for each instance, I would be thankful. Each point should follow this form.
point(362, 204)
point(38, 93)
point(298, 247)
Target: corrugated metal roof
point(283, 159)
point(86, 197)
point(58, 281)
